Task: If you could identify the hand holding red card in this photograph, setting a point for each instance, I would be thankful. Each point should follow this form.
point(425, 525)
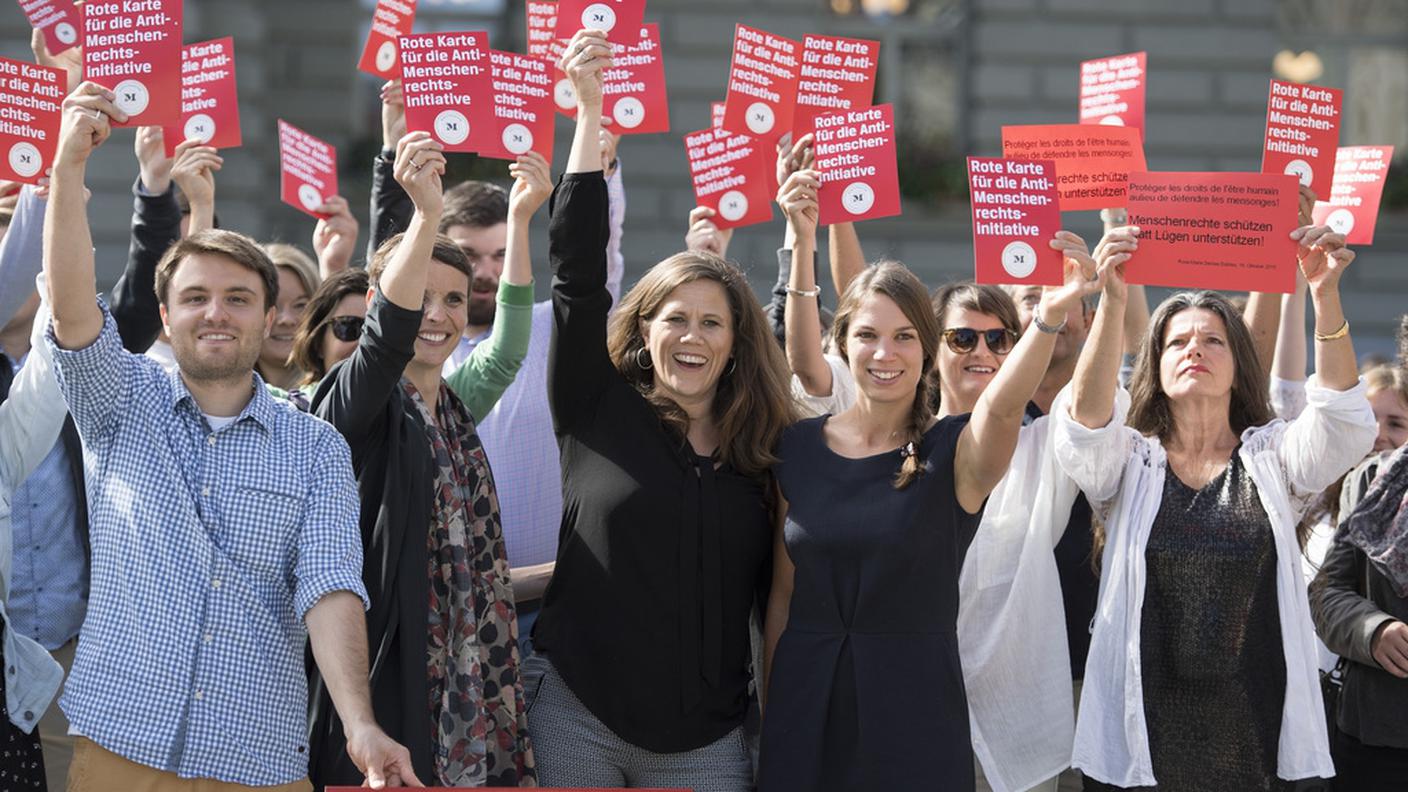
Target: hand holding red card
point(1093, 163)
point(137, 54)
point(1016, 213)
point(855, 157)
point(1353, 208)
point(762, 84)
point(308, 169)
point(58, 20)
point(633, 89)
point(446, 84)
point(210, 110)
point(1302, 133)
point(391, 20)
point(523, 107)
point(836, 74)
point(30, 113)
point(1112, 91)
point(618, 19)
point(730, 176)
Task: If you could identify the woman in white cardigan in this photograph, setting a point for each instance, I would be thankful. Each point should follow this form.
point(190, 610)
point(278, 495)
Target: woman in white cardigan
point(1202, 670)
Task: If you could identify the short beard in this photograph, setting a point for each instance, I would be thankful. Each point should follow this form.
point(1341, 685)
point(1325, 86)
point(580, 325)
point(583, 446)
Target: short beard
point(481, 315)
point(193, 368)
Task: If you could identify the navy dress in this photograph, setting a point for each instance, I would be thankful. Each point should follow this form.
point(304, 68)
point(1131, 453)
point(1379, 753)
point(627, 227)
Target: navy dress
point(866, 689)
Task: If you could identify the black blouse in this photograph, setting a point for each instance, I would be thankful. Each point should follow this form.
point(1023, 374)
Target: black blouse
point(661, 556)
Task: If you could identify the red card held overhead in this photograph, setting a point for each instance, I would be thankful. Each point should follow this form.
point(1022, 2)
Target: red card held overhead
point(1353, 208)
point(391, 20)
point(523, 116)
point(210, 110)
point(729, 173)
point(58, 20)
point(836, 74)
point(1093, 163)
point(1302, 133)
point(618, 19)
point(308, 169)
point(1223, 231)
point(1112, 91)
point(762, 84)
point(1016, 213)
point(31, 99)
point(633, 90)
point(133, 47)
point(447, 88)
point(855, 157)
point(542, 29)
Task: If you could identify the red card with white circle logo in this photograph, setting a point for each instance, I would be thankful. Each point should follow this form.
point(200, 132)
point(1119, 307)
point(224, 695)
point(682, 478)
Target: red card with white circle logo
point(133, 47)
point(1112, 90)
point(619, 19)
point(210, 108)
point(523, 118)
point(58, 20)
point(446, 84)
point(391, 20)
point(855, 157)
point(1016, 212)
point(541, 17)
point(836, 74)
point(30, 113)
point(307, 169)
point(633, 90)
point(729, 173)
point(1302, 133)
point(762, 84)
point(1353, 208)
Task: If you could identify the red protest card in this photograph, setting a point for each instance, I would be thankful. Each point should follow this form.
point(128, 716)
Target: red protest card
point(762, 84)
point(1093, 163)
point(633, 89)
point(391, 20)
point(1302, 133)
point(522, 119)
point(716, 115)
point(1225, 231)
point(1112, 91)
point(619, 19)
point(729, 173)
point(1353, 208)
point(210, 109)
point(133, 47)
point(855, 157)
point(1016, 212)
point(542, 30)
point(836, 74)
point(58, 20)
point(308, 169)
point(446, 84)
point(30, 112)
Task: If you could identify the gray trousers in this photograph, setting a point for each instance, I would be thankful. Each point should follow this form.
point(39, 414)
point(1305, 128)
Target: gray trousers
point(574, 749)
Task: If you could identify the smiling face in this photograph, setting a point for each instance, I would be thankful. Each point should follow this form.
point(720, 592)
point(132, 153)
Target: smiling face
point(963, 376)
point(1392, 414)
point(288, 310)
point(214, 313)
point(1197, 360)
point(690, 339)
point(486, 248)
point(884, 351)
point(444, 313)
point(335, 350)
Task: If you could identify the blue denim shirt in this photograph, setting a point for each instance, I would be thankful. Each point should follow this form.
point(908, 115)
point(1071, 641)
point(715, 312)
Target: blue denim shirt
point(49, 571)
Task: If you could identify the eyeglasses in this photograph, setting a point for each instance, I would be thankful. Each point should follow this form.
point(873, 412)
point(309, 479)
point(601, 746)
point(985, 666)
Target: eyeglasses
point(346, 328)
point(963, 340)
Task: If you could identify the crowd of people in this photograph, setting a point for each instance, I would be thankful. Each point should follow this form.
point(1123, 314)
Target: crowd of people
point(282, 521)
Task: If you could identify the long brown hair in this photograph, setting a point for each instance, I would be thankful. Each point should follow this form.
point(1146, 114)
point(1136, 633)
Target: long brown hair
point(899, 284)
point(308, 339)
point(753, 400)
point(984, 298)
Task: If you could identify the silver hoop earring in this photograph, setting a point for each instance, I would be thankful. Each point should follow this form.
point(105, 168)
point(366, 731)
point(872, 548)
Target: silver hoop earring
point(643, 360)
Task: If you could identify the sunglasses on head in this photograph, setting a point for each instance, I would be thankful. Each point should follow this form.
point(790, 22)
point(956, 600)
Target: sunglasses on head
point(346, 328)
point(963, 340)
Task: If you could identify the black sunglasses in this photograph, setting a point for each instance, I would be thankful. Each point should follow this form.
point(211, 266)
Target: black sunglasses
point(346, 328)
point(963, 340)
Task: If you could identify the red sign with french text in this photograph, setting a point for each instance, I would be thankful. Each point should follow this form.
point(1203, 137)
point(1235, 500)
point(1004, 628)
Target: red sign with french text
point(307, 169)
point(210, 105)
point(855, 157)
point(1302, 133)
point(31, 108)
point(523, 108)
point(619, 19)
point(391, 20)
point(1353, 208)
point(633, 89)
point(762, 84)
point(836, 74)
point(133, 47)
point(1093, 163)
point(1112, 91)
point(1224, 231)
point(58, 20)
point(729, 173)
point(1016, 214)
point(447, 88)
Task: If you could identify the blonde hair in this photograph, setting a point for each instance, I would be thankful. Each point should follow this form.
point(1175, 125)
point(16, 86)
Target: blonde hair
point(1387, 377)
point(293, 259)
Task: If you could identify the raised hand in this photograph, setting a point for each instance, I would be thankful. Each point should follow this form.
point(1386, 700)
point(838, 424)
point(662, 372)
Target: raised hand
point(797, 199)
point(1081, 277)
point(193, 170)
point(531, 187)
point(1305, 204)
point(794, 156)
point(1112, 252)
point(420, 164)
point(70, 61)
point(1322, 255)
point(335, 236)
point(88, 113)
point(152, 162)
point(587, 55)
point(704, 235)
point(393, 114)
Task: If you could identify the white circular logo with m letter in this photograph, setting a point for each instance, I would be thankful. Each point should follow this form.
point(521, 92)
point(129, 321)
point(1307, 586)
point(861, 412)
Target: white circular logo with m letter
point(309, 196)
point(386, 56)
point(1301, 170)
point(599, 16)
point(200, 127)
point(451, 127)
point(733, 205)
point(1019, 259)
point(1341, 221)
point(857, 198)
point(25, 160)
point(132, 97)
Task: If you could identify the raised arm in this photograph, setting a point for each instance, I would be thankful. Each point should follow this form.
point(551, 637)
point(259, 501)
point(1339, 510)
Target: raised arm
point(1098, 369)
point(1288, 364)
point(616, 215)
point(790, 159)
point(194, 172)
point(797, 197)
point(335, 237)
point(1323, 259)
point(1136, 311)
point(156, 225)
point(847, 258)
point(390, 206)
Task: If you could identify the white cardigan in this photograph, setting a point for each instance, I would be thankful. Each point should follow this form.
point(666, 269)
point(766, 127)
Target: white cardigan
point(1122, 473)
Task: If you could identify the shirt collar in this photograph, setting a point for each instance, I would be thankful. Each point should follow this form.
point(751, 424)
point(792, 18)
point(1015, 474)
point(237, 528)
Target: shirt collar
point(260, 408)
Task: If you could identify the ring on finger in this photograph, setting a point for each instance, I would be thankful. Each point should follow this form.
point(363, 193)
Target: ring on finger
point(97, 114)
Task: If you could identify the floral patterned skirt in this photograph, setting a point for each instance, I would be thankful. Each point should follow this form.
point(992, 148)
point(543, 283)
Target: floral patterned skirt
point(21, 761)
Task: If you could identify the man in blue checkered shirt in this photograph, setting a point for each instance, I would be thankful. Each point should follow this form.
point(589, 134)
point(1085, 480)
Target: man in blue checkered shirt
point(223, 523)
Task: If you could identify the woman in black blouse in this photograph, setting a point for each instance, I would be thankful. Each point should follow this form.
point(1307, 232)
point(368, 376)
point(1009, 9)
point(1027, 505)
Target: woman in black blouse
point(666, 424)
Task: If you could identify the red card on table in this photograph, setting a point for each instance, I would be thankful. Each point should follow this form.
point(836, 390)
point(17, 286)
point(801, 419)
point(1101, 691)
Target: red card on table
point(729, 173)
point(308, 169)
point(634, 88)
point(446, 84)
point(31, 108)
point(1225, 231)
point(762, 84)
point(542, 30)
point(210, 108)
point(855, 157)
point(1112, 91)
point(58, 20)
point(522, 119)
point(836, 74)
point(1016, 212)
point(1353, 208)
point(1093, 163)
point(619, 19)
point(137, 54)
point(391, 20)
point(1302, 133)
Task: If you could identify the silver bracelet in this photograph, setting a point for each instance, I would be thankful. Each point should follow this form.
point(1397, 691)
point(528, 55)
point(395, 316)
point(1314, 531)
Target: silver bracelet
point(803, 292)
point(1043, 326)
